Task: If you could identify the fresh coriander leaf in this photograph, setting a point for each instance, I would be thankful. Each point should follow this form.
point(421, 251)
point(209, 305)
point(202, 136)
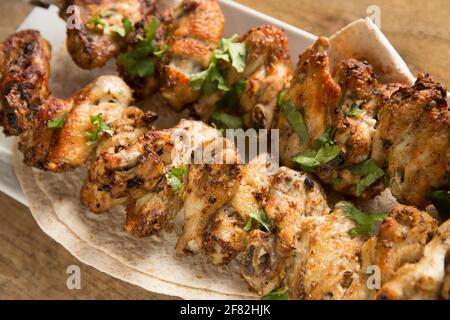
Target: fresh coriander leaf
point(96, 21)
point(355, 111)
point(281, 98)
point(260, 216)
point(98, 127)
point(232, 52)
point(127, 25)
point(120, 30)
point(231, 99)
point(441, 200)
point(370, 173)
point(58, 122)
point(225, 121)
point(248, 225)
point(197, 79)
point(310, 159)
point(175, 176)
point(365, 221)
point(277, 294)
point(161, 52)
point(327, 137)
point(138, 62)
point(295, 120)
point(209, 80)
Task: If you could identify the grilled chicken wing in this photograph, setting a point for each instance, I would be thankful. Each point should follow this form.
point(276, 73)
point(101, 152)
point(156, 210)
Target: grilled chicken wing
point(208, 188)
point(292, 197)
point(423, 279)
point(267, 72)
point(193, 36)
point(94, 41)
point(314, 93)
point(28, 109)
point(24, 73)
point(412, 140)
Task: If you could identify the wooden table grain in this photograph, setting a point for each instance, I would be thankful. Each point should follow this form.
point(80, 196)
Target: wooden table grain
point(33, 266)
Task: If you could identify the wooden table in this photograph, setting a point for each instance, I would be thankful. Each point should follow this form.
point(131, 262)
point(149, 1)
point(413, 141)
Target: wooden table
point(33, 266)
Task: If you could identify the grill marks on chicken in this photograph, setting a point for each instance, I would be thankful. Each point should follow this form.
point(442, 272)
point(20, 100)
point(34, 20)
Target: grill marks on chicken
point(27, 107)
point(91, 44)
point(24, 72)
point(403, 130)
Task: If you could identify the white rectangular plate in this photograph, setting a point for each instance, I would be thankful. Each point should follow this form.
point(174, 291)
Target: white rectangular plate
point(239, 19)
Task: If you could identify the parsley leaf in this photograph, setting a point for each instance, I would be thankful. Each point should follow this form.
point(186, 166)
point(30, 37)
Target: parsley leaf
point(175, 176)
point(355, 111)
point(233, 52)
point(310, 159)
point(99, 21)
point(231, 99)
point(127, 25)
point(224, 120)
point(248, 225)
point(441, 200)
point(58, 122)
point(212, 79)
point(137, 62)
point(98, 126)
point(370, 173)
point(281, 98)
point(260, 216)
point(365, 221)
point(295, 120)
point(277, 294)
point(162, 51)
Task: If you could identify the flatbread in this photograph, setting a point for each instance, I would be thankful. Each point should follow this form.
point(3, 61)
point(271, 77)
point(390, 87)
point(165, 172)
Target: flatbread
point(151, 263)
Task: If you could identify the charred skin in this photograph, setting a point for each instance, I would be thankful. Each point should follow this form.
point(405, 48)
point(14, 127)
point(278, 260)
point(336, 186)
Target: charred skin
point(412, 140)
point(27, 106)
point(89, 45)
point(192, 38)
point(24, 74)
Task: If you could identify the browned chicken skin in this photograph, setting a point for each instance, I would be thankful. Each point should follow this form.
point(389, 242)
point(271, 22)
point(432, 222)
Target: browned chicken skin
point(397, 133)
point(28, 108)
point(192, 38)
point(93, 45)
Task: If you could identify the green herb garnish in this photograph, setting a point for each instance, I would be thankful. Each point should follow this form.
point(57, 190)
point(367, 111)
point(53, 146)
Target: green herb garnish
point(98, 126)
point(175, 176)
point(310, 159)
point(137, 62)
point(259, 216)
point(223, 120)
point(295, 120)
point(212, 79)
point(355, 111)
point(281, 98)
point(122, 30)
point(58, 122)
point(365, 221)
point(277, 294)
point(370, 173)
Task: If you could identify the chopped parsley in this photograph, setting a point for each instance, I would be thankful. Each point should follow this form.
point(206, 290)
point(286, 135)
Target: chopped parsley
point(365, 221)
point(223, 120)
point(369, 172)
point(212, 79)
point(98, 126)
point(175, 177)
point(277, 294)
point(99, 22)
point(310, 159)
point(137, 62)
point(58, 122)
point(355, 111)
point(295, 120)
point(259, 216)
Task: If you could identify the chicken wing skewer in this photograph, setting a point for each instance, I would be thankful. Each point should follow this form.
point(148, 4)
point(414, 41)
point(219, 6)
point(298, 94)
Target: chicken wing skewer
point(55, 134)
point(359, 135)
